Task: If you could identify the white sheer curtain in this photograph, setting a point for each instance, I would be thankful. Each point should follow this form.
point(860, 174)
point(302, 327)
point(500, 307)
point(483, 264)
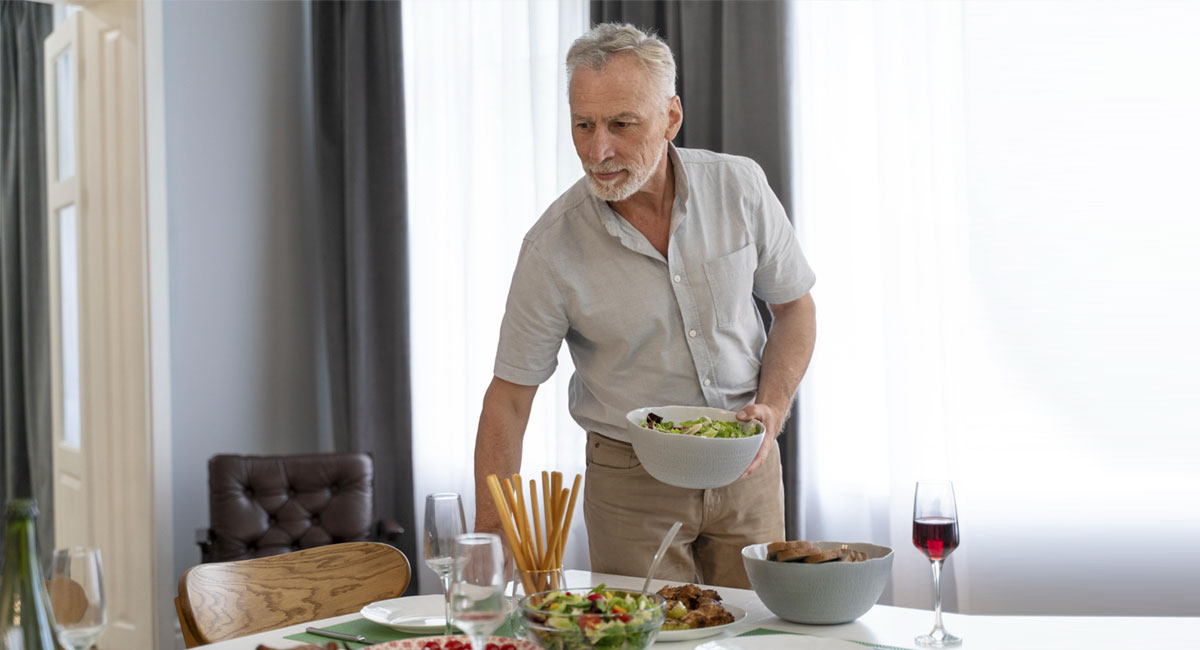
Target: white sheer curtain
point(488, 149)
point(998, 201)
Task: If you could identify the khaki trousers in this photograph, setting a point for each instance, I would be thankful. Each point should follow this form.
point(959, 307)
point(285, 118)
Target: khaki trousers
point(627, 512)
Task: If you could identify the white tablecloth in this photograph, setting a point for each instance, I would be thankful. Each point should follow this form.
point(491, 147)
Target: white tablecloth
point(888, 626)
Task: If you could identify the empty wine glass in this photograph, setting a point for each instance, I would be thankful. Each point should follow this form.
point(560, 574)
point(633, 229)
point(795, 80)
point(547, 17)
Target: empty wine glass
point(444, 521)
point(477, 602)
point(77, 596)
point(935, 533)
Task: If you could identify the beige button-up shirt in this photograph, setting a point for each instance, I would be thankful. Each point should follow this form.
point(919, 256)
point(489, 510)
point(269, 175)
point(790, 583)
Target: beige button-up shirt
point(644, 330)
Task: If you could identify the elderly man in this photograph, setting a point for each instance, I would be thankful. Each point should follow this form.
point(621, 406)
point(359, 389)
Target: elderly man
point(647, 267)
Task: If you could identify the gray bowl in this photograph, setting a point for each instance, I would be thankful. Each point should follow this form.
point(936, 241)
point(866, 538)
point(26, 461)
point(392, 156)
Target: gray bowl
point(691, 461)
point(819, 594)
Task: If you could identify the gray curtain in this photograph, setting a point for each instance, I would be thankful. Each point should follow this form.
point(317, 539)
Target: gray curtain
point(362, 239)
point(732, 66)
point(25, 435)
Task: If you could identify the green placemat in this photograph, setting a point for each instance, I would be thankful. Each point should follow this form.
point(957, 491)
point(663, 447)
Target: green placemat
point(377, 632)
point(762, 631)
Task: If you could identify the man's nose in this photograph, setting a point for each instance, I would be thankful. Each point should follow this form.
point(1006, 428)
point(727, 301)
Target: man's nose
point(601, 147)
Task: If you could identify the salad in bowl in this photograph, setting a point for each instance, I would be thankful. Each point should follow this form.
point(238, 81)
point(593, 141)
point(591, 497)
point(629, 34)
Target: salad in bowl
point(599, 618)
point(695, 447)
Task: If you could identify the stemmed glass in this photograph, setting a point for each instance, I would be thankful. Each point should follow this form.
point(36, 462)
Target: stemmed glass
point(477, 602)
point(935, 533)
point(444, 521)
point(77, 596)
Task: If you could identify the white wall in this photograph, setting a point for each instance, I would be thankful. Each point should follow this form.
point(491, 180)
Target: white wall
point(240, 266)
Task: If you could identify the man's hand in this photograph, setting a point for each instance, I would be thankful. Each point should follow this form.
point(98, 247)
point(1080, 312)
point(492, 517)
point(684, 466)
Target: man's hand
point(772, 420)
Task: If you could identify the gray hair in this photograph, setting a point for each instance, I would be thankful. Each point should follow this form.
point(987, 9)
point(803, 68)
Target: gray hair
point(594, 49)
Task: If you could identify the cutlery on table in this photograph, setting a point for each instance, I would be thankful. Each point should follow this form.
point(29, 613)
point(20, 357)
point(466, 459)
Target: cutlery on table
point(357, 638)
point(306, 646)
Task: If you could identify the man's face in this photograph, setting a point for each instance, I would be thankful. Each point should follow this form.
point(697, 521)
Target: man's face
point(620, 126)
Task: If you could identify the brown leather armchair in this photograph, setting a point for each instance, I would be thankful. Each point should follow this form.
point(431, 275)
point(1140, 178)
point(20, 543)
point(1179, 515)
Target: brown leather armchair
point(268, 505)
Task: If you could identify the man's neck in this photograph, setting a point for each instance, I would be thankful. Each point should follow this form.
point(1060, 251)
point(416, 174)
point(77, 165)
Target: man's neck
point(655, 199)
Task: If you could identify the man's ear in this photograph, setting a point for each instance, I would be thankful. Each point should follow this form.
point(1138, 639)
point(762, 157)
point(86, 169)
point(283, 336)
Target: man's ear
point(674, 117)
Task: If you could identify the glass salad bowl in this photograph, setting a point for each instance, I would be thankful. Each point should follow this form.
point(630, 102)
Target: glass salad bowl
point(587, 619)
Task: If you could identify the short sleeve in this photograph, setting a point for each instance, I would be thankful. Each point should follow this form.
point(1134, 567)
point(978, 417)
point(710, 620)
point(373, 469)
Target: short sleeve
point(534, 323)
point(783, 274)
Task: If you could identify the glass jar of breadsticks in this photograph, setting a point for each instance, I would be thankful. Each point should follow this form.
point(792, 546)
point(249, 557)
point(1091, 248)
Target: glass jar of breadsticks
point(536, 528)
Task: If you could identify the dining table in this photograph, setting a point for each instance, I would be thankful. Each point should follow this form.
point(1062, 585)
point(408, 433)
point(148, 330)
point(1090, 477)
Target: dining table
point(883, 627)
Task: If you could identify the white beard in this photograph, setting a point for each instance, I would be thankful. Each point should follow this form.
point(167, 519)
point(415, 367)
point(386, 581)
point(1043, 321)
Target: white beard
point(620, 189)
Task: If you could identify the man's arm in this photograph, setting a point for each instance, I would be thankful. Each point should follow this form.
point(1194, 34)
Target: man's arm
point(785, 359)
point(498, 444)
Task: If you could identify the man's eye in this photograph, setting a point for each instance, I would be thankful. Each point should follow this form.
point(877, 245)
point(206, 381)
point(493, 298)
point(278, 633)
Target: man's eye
point(582, 125)
point(622, 125)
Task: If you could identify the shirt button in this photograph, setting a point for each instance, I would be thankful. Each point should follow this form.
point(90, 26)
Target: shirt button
point(678, 277)
point(692, 333)
point(707, 382)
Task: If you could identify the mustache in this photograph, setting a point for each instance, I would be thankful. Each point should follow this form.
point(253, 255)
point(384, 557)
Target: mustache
point(605, 168)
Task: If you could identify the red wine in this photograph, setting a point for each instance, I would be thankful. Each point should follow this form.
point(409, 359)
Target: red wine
point(936, 537)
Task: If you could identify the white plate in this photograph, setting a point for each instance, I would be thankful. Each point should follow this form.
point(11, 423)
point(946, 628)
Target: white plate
point(413, 614)
point(779, 642)
point(702, 632)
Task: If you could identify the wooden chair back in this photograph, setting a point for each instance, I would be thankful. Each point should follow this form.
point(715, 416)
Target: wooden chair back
point(225, 600)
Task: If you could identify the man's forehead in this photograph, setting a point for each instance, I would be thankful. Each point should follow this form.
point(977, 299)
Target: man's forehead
point(623, 116)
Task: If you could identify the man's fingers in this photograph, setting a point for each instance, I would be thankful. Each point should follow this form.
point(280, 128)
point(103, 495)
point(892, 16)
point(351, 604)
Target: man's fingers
point(759, 459)
point(762, 413)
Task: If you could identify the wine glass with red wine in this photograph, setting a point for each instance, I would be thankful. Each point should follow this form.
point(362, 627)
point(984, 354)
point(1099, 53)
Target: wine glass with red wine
point(935, 533)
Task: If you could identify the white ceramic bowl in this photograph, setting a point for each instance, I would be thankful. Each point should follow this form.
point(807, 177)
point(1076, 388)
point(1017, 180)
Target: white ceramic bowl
point(819, 594)
point(692, 461)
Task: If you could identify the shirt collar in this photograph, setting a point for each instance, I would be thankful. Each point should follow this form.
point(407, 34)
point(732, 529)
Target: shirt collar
point(681, 179)
point(613, 222)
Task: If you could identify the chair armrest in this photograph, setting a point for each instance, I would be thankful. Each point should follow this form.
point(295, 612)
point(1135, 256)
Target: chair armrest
point(204, 539)
point(389, 531)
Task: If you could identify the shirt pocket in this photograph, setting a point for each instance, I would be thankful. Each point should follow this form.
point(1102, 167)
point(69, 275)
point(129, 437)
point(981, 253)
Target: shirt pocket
point(731, 281)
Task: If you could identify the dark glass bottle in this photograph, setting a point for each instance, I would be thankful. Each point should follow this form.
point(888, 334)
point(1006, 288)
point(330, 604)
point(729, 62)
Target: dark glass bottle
point(24, 603)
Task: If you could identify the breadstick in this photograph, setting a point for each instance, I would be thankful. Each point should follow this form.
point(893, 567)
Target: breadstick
point(537, 519)
point(552, 554)
point(523, 518)
point(547, 506)
point(567, 521)
point(510, 532)
point(506, 520)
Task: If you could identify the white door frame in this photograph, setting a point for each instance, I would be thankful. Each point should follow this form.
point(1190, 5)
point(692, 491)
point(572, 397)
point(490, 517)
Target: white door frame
point(116, 481)
point(154, 213)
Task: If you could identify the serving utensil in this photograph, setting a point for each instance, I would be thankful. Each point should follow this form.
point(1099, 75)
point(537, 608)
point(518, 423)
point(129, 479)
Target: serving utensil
point(662, 549)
